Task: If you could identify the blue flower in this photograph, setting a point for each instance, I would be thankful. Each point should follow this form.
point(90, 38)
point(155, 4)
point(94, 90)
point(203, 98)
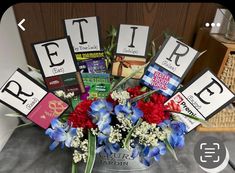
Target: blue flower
point(132, 113)
point(60, 133)
point(100, 112)
point(147, 154)
point(177, 132)
point(101, 105)
point(109, 148)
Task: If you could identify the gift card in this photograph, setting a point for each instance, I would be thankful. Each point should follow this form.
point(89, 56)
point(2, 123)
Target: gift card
point(57, 62)
point(175, 59)
point(203, 97)
point(99, 84)
point(158, 78)
point(84, 33)
point(23, 94)
point(125, 65)
point(132, 40)
point(92, 66)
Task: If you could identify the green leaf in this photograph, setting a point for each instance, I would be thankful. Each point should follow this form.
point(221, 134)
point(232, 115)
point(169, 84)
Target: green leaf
point(124, 80)
point(74, 167)
point(91, 152)
point(75, 102)
point(23, 125)
point(135, 99)
point(169, 147)
point(126, 143)
point(33, 69)
point(15, 115)
point(204, 122)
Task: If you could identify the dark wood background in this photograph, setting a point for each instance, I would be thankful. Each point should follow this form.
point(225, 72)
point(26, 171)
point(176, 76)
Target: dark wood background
point(45, 20)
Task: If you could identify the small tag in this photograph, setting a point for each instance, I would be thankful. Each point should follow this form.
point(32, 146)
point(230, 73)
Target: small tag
point(132, 40)
point(84, 34)
point(57, 61)
point(174, 58)
point(203, 97)
point(26, 96)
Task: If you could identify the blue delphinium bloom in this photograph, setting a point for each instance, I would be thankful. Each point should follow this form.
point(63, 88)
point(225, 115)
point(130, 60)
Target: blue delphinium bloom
point(147, 154)
point(177, 132)
point(100, 112)
point(130, 112)
point(60, 133)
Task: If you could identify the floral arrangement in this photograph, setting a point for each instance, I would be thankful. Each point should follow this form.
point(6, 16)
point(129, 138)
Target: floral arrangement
point(133, 118)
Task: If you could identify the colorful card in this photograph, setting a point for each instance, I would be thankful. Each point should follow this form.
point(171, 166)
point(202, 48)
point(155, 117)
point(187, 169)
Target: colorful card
point(125, 65)
point(57, 62)
point(99, 84)
point(84, 33)
point(23, 94)
point(161, 79)
point(132, 40)
point(174, 59)
point(92, 66)
point(202, 98)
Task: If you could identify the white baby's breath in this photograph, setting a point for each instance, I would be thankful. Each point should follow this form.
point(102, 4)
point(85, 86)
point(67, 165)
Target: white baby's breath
point(62, 94)
point(115, 135)
point(125, 123)
point(121, 96)
point(149, 134)
point(77, 157)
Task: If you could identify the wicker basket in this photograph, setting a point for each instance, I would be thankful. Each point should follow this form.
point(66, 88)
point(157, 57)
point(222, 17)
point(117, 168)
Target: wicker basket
point(225, 119)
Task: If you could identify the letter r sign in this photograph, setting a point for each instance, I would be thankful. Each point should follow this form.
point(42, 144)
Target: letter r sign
point(176, 56)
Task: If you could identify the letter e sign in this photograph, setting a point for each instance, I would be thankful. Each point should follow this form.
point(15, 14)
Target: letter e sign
point(56, 57)
point(208, 93)
point(132, 40)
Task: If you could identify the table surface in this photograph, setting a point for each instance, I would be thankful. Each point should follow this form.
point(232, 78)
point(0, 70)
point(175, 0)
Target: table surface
point(27, 152)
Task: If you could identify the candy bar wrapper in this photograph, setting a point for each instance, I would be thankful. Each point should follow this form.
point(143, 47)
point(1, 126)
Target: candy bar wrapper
point(99, 84)
point(125, 65)
point(71, 82)
point(92, 66)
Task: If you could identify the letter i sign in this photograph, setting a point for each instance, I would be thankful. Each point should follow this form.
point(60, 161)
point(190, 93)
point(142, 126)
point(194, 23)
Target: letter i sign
point(132, 40)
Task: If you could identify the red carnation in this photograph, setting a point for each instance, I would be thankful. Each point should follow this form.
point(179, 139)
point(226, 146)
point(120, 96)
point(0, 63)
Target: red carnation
point(158, 98)
point(135, 91)
point(154, 110)
point(80, 117)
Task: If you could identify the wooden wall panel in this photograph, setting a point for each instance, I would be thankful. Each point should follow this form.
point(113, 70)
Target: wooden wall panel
point(161, 17)
point(113, 13)
point(45, 20)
